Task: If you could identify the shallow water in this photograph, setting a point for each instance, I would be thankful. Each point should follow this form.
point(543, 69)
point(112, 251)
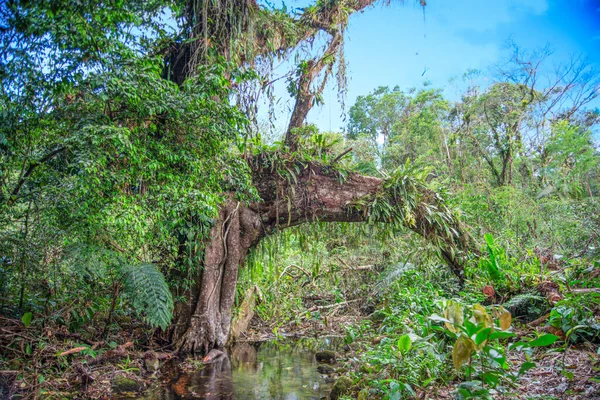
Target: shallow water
point(276, 370)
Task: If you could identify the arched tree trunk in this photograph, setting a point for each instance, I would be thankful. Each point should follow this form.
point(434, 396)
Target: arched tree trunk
point(318, 194)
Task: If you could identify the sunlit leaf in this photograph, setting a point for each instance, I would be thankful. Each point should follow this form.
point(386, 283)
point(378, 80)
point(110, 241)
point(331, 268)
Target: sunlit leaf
point(504, 317)
point(404, 344)
point(454, 315)
point(481, 316)
point(437, 318)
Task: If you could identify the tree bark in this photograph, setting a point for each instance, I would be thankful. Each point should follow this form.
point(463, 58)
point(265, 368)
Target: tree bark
point(318, 194)
point(203, 321)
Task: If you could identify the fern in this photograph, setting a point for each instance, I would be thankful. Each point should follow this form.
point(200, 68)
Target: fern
point(527, 305)
point(492, 265)
point(150, 296)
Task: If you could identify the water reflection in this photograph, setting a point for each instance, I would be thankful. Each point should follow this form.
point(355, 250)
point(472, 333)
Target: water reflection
point(270, 370)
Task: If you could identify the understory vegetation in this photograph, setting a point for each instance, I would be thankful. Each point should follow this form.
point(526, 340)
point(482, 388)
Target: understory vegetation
point(452, 243)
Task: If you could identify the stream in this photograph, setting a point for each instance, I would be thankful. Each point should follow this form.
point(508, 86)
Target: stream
point(276, 370)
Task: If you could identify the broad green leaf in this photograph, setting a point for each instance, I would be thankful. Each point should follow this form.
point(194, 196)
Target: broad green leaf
point(471, 328)
point(517, 345)
point(26, 319)
point(482, 336)
point(544, 340)
point(526, 366)
point(501, 335)
point(490, 378)
point(404, 344)
point(462, 350)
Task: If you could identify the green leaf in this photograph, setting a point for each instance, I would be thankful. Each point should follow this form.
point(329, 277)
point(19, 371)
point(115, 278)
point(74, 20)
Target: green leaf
point(145, 285)
point(518, 345)
point(544, 340)
point(437, 318)
point(490, 378)
point(526, 366)
point(501, 335)
point(482, 336)
point(471, 328)
point(404, 344)
point(568, 374)
point(26, 319)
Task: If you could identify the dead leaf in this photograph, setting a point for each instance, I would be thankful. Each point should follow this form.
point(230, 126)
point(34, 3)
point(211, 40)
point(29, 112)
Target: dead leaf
point(462, 350)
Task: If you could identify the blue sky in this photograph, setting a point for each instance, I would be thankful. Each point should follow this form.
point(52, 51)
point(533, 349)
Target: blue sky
point(404, 45)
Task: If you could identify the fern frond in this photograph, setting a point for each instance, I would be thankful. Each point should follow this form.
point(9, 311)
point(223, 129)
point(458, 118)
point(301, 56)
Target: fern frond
point(150, 296)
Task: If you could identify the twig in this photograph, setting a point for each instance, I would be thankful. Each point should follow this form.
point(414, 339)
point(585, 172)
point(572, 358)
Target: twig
point(341, 155)
point(585, 290)
point(314, 308)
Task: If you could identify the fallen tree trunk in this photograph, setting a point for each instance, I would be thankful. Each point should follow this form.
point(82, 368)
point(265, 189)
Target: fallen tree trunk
point(318, 193)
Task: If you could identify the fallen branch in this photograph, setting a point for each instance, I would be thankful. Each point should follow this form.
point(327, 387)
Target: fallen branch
point(74, 336)
point(297, 267)
point(359, 268)
point(343, 303)
point(585, 290)
point(342, 155)
point(72, 351)
point(539, 321)
point(119, 352)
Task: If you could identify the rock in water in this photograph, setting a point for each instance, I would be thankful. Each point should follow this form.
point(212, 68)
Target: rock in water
point(152, 364)
point(340, 388)
point(325, 369)
point(122, 384)
point(212, 356)
point(325, 356)
point(151, 361)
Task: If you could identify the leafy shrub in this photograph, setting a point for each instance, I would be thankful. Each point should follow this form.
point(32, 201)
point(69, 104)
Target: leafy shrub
point(577, 316)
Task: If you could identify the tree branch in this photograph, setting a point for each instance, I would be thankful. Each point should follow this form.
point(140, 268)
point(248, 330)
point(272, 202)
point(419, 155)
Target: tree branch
point(32, 166)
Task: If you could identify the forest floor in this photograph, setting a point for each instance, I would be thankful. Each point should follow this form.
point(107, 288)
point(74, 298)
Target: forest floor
point(50, 362)
point(546, 381)
point(126, 364)
point(561, 372)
